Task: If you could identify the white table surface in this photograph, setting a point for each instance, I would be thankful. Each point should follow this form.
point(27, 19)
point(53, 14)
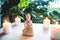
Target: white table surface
point(39, 33)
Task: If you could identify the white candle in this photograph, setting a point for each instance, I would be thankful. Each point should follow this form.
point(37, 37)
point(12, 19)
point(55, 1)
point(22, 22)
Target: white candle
point(55, 30)
point(7, 27)
point(46, 23)
point(17, 20)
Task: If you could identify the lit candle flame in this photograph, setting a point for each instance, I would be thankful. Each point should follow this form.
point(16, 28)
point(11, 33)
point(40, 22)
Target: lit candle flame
point(17, 17)
point(46, 17)
point(56, 22)
point(5, 21)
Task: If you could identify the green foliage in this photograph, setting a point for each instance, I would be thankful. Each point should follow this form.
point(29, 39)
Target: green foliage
point(38, 10)
point(5, 8)
point(55, 14)
point(23, 3)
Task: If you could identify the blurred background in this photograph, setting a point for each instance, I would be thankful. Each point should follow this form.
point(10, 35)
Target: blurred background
point(38, 9)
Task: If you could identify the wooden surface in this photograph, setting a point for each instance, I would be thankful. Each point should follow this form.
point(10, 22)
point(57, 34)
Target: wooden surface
point(39, 33)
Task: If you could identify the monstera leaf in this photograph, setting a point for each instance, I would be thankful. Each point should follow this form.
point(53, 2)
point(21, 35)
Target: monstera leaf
point(23, 3)
point(55, 14)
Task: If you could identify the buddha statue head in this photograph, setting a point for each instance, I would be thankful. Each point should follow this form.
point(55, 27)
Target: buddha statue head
point(28, 16)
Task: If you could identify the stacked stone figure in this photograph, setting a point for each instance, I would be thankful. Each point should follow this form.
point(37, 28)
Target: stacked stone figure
point(28, 30)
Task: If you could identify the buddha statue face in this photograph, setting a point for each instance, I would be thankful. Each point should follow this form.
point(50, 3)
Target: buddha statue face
point(28, 16)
